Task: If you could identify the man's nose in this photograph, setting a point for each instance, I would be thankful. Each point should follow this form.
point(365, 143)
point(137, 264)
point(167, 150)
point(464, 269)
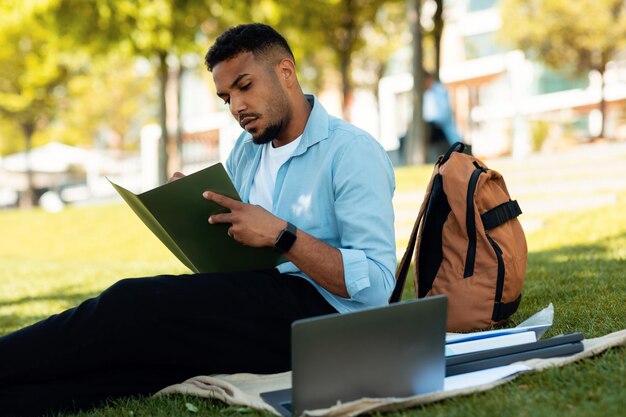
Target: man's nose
point(237, 106)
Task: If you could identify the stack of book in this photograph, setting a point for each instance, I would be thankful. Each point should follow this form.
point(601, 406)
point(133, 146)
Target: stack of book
point(483, 350)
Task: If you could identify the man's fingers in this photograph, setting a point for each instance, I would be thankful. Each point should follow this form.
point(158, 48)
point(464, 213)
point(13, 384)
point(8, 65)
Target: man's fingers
point(176, 176)
point(220, 218)
point(223, 201)
point(220, 199)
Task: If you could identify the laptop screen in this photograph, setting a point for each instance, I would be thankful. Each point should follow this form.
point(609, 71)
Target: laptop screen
point(390, 351)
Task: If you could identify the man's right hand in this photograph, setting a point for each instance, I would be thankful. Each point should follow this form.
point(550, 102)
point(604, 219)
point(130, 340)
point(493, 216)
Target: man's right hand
point(176, 176)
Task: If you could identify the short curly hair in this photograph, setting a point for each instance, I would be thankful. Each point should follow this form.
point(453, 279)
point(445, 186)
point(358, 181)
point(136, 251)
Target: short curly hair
point(253, 37)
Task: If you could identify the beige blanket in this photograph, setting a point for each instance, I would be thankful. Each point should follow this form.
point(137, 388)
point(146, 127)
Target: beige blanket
point(245, 389)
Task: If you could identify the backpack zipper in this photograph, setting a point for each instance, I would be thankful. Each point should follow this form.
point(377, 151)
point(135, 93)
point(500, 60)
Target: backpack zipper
point(470, 223)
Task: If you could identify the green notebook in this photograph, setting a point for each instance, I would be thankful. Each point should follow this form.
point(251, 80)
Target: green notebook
point(178, 215)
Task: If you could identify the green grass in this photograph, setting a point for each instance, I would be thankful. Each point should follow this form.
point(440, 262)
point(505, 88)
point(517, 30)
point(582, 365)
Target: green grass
point(577, 261)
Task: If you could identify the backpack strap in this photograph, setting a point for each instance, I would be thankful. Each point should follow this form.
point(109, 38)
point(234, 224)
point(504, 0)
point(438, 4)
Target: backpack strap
point(503, 311)
point(456, 147)
point(405, 263)
point(500, 214)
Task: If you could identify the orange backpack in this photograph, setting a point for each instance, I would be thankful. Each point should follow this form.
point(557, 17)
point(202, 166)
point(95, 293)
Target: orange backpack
point(470, 244)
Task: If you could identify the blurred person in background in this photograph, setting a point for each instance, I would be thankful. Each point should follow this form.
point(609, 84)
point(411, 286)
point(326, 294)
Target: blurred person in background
point(440, 125)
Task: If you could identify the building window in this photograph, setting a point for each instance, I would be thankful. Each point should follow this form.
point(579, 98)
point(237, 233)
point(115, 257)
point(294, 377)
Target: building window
point(481, 45)
point(477, 5)
point(551, 81)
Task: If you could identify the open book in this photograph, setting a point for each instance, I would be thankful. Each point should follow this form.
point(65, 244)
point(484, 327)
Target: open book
point(178, 215)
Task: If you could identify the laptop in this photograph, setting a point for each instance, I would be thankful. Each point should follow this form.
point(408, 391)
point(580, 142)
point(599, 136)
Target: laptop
point(391, 351)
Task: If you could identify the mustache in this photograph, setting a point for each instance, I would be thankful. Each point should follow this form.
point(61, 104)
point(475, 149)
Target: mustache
point(244, 115)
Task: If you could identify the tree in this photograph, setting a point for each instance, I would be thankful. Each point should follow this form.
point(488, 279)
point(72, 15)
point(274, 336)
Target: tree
point(415, 150)
point(585, 34)
point(160, 30)
point(438, 23)
point(385, 35)
point(338, 26)
point(110, 96)
point(35, 67)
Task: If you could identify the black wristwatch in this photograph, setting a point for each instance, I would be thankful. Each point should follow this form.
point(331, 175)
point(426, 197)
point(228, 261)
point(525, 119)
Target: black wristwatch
point(286, 238)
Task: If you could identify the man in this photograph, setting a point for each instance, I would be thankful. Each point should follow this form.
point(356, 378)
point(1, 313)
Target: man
point(440, 126)
point(438, 116)
point(316, 188)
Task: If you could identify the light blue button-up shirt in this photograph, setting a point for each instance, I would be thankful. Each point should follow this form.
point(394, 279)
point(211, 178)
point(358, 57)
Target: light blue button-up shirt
point(337, 186)
point(437, 110)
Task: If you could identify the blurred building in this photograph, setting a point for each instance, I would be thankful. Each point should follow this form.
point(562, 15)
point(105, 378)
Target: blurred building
point(504, 102)
point(65, 173)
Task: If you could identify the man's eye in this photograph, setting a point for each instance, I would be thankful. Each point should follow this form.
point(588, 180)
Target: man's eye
point(246, 87)
point(227, 101)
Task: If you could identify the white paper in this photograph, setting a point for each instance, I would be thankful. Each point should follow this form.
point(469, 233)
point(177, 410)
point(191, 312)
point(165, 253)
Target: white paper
point(484, 376)
point(490, 343)
point(452, 338)
point(539, 322)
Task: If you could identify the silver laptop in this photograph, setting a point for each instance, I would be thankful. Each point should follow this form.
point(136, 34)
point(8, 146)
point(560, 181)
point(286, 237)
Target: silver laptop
point(392, 351)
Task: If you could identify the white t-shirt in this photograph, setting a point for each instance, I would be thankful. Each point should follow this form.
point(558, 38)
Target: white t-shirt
point(262, 191)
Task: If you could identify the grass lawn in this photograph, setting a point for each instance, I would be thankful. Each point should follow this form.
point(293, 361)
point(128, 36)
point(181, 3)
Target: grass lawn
point(577, 261)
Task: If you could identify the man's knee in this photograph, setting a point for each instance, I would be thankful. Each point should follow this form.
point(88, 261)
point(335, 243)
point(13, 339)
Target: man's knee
point(134, 290)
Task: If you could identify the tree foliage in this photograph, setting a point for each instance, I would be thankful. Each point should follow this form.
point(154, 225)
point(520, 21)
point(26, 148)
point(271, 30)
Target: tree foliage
point(35, 67)
point(584, 34)
point(336, 29)
point(54, 63)
point(385, 35)
point(159, 30)
point(110, 100)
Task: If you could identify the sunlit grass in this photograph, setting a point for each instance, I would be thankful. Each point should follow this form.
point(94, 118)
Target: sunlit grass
point(577, 262)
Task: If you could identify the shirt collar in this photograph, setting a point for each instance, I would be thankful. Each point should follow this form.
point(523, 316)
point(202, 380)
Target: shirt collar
point(316, 128)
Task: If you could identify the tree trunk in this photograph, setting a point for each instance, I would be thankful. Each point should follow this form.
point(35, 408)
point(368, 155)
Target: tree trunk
point(415, 149)
point(179, 117)
point(346, 86)
point(437, 32)
point(602, 105)
point(163, 77)
point(28, 199)
point(346, 47)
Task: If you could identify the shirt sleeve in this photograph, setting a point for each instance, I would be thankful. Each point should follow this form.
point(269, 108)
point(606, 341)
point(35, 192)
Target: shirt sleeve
point(364, 185)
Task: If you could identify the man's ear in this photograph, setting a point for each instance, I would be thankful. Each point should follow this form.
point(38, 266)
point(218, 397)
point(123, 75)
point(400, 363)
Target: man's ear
point(287, 71)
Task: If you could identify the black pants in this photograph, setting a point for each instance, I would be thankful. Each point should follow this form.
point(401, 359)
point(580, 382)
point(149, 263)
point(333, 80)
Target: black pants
point(144, 334)
point(437, 143)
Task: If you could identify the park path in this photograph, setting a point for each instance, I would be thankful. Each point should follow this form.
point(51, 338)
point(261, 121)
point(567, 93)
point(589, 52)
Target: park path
point(583, 177)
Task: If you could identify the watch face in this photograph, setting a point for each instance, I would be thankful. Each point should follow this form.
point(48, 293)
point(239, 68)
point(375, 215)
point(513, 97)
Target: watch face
point(285, 240)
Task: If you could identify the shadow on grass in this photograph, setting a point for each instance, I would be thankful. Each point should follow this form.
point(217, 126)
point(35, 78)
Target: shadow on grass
point(29, 312)
point(58, 296)
point(585, 283)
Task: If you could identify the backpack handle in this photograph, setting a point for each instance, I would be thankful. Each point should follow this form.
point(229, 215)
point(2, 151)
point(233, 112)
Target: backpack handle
point(453, 148)
point(405, 263)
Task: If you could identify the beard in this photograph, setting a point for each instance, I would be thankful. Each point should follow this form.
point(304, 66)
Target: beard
point(278, 114)
point(269, 134)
